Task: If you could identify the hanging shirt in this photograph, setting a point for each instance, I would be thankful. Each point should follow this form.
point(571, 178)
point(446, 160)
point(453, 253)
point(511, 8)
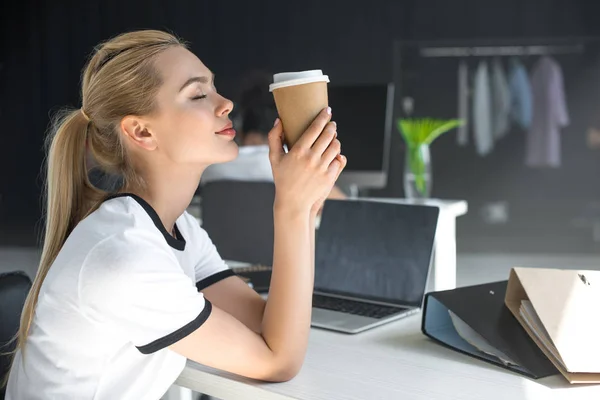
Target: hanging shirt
point(482, 111)
point(520, 95)
point(121, 290)
point(462, 138)
point(543, 147)
point(251, 164)
point(500, 100)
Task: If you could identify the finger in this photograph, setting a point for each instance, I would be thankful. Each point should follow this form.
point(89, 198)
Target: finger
point(276, 142)
point(332, 152)
point(309, 137)
point(325, 138)
point(343, 161)
point(335, 168)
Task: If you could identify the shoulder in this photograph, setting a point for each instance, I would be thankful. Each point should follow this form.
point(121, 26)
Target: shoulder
point(124, 256)
point(125, 268)
point(118, 228)
point(118, 213)
point(121, 203)
point(193, 233)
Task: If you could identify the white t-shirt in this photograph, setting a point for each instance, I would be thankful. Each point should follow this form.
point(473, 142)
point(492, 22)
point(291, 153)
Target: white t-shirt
point(251, 164)
point(119, 293)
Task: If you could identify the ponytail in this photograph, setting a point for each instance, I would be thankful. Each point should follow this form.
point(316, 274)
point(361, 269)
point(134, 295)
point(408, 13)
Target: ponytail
point(70, 197)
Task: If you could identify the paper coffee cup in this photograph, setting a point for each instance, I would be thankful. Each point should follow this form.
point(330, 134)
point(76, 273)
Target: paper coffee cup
point(299, 97)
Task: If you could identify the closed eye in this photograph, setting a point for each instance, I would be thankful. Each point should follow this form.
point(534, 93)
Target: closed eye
point(203, 96)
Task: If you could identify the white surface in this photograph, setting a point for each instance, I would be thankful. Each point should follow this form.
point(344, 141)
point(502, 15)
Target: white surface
point(391, 362)
point(444, 263)
point(285, 79)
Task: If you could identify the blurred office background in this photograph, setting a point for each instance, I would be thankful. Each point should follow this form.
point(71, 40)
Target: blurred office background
point(512, 208)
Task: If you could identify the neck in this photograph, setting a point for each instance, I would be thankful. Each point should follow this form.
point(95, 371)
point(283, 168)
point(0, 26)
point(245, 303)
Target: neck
point(169, 191)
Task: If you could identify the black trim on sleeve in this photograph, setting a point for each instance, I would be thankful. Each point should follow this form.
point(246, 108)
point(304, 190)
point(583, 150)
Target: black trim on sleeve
point(178, 242)
point(179, 334)
point(211, 280)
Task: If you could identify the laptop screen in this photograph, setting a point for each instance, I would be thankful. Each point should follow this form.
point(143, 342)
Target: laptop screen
point(375, 250)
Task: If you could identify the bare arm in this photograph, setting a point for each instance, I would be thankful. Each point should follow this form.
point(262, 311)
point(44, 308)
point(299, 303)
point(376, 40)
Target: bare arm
point(303, 177)
point(236, 298)
point(226, 343)
point(286, 322)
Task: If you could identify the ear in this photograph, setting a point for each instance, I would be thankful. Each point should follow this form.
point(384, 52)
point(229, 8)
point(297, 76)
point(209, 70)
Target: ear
point(135, 129)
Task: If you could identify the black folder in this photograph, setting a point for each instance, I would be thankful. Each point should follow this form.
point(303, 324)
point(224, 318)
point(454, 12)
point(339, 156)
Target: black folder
point(482, 309)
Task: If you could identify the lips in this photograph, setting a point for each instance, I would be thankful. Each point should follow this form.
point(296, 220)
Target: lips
point(227, 130)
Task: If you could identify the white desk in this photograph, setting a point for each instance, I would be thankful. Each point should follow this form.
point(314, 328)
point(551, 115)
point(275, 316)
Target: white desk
point(391, 362)
point(444, 264)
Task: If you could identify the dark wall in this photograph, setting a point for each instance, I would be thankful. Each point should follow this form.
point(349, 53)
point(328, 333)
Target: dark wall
point(45, 43)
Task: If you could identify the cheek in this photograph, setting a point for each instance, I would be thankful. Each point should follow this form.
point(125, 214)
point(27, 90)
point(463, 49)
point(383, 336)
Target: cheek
point(200, 119)
point(194, 120)
point(188, 135)
point(189, 130)
point(197, 129)
point(194, 139)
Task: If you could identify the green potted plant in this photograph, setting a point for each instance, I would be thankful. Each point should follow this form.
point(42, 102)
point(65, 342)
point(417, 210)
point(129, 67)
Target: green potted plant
point(418, 134)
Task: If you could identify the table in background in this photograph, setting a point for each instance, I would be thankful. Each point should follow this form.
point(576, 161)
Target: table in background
point(444, 264)
point(394, 361)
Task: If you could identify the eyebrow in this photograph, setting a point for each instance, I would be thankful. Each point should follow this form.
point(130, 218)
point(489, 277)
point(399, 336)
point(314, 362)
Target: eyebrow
point(198, 79)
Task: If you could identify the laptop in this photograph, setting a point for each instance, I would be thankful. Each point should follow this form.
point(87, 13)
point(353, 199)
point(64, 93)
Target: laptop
point(372, 263)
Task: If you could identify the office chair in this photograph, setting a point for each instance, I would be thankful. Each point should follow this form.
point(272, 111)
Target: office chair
point(14, 287)
point(238, 217)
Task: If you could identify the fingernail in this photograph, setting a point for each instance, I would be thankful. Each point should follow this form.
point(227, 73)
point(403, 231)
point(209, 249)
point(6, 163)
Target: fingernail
point(335, 134)
point(276, 122)
point(334, 123)
point(329, 110)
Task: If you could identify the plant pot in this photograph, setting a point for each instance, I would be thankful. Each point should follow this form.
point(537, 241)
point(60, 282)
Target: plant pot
point(417, 172)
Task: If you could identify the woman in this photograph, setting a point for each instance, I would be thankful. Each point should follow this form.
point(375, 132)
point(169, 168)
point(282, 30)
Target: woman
point(114, 311)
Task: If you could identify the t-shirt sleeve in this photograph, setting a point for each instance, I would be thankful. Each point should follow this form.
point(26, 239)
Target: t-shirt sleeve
point(209, 267)
point(141, 291)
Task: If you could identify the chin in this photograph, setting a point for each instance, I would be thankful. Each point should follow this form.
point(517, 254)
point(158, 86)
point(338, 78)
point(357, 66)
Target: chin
point(229, 154)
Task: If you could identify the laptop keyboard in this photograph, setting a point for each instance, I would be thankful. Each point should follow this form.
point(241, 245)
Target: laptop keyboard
point(354, 307)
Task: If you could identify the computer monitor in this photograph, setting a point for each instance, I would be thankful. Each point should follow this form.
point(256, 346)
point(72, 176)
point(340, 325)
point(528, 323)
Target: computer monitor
point(363, 114)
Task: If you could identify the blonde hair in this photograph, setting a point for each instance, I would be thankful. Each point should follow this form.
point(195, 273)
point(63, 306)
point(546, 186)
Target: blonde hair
point(119, 79)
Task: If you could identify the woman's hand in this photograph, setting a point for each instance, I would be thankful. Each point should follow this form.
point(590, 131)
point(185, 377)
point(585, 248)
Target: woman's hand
point(306, 174)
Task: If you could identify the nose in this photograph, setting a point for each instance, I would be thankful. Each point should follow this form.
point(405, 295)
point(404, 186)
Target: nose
point(224, 108)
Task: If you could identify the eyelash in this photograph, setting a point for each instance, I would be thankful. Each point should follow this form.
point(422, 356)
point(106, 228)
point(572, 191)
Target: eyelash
point(199, 97)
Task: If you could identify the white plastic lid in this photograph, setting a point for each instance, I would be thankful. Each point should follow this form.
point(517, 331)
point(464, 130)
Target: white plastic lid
point(286, 79)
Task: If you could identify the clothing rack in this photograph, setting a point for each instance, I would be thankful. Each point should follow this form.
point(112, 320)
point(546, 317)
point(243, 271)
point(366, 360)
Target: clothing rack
point(489, 47)
point(499, 51)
